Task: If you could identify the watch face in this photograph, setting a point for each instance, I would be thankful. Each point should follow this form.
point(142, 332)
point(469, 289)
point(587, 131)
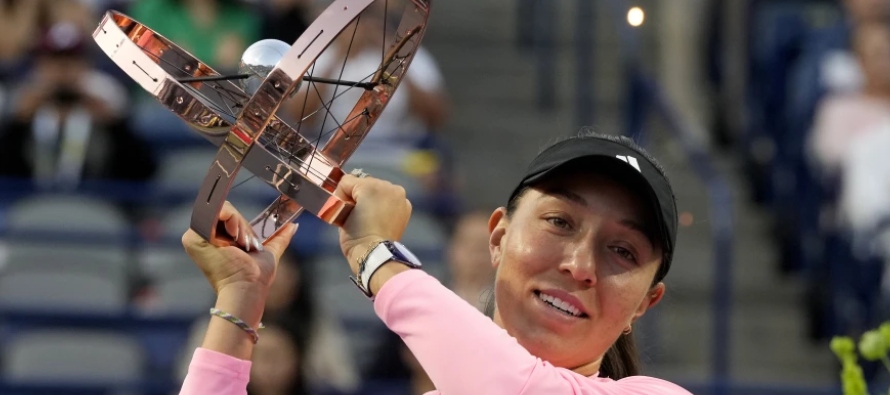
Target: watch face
point(405, 253)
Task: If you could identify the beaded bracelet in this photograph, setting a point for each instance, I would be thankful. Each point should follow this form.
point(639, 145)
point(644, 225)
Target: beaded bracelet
point(235, 320)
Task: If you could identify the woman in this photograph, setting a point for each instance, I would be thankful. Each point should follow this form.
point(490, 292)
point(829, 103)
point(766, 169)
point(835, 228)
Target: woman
point(580, 251)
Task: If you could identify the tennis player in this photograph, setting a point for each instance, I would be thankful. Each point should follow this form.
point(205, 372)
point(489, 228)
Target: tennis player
point(580, 249)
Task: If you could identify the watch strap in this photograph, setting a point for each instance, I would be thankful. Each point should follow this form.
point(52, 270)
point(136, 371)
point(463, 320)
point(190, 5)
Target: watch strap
point(376, 258)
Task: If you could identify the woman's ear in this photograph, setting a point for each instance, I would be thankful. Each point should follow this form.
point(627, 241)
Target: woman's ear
point(652, 298)
point(497, 227)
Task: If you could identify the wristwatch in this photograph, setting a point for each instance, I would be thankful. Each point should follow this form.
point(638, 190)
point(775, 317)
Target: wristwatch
point(383, 252)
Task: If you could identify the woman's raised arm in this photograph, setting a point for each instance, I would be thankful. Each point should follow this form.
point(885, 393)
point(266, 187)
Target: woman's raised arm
point(241, 274)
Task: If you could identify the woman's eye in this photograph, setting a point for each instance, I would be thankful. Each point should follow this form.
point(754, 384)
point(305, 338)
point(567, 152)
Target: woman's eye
point(624, 253)
point(559, 222)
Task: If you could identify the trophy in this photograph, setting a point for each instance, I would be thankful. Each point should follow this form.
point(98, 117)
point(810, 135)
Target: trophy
point(335, 79)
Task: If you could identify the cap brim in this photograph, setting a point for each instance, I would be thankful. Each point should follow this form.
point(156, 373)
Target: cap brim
point(634, 181)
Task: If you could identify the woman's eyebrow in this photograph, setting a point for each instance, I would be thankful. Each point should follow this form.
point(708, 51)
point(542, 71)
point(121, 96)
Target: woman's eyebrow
point(633, 225)
point(638, 227)
point(567, 195)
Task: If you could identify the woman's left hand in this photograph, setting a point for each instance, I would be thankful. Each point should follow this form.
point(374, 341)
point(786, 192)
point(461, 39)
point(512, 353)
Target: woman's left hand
point(381, 212)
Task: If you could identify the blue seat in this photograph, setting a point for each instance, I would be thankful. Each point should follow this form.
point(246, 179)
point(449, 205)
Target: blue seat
point(88, 357)
point(158, 338)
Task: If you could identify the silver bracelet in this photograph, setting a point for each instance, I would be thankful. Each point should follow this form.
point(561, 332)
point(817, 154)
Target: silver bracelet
point(237, 321)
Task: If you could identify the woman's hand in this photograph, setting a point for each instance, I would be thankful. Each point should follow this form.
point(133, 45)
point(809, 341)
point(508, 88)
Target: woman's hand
point(243, 263)
point(241, 274)
point(381, 212)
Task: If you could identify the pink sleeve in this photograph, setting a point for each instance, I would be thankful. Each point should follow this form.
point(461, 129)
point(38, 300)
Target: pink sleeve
point(464, 352)
point(212, 372)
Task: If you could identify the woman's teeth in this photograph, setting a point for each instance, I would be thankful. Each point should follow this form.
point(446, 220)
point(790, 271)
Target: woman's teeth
point(560, 305)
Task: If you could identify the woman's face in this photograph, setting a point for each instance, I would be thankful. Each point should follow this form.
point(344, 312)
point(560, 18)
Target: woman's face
point(578, 239)
point(275, 362)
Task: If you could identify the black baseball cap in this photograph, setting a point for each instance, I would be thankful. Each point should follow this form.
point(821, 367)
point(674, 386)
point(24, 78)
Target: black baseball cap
point(647, 176)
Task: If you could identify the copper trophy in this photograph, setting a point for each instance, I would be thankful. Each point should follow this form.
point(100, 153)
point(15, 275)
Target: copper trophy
point(370, 41)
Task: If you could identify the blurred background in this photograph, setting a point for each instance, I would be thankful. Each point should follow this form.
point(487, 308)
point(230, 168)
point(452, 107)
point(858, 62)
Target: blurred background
point(771, 117)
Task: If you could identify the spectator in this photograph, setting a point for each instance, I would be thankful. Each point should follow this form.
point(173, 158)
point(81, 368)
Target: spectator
point(285, 20)
point(18, 27)
point(77, 12)
point(843, 118)
point(419, 107)
point(865, 192)
point(828, 64)
point(278, 360)
point(469, 258)
point(407, 130)
point(21, 24)
point(215, 31)
point(839, 66)
point(69, 121)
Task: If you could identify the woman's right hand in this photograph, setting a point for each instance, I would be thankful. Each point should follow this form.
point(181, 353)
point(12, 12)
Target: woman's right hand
point(245, 263)
point(241, 274)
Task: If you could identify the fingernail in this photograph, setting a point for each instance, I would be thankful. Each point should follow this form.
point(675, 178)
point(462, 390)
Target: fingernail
point(237, 232)
point(294, 231)
point(258, 244)
point(247, 243)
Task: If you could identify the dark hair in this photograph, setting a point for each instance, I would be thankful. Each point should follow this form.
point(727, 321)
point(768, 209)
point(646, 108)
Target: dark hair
point(621, 359)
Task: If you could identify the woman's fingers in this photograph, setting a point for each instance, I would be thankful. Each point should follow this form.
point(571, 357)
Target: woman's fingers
point(239, 228)
point(381, 211)
point(192, 241)
point(278, 243)
point(346, 187)
point(233, 228)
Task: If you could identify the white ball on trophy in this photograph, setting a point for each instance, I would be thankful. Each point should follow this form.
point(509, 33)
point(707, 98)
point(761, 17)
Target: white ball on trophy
point(258, 60)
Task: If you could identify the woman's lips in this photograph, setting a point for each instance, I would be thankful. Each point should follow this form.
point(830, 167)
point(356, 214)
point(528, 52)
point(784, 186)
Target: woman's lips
point(563, 301)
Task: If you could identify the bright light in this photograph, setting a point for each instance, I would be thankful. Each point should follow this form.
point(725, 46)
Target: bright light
point(635, 16)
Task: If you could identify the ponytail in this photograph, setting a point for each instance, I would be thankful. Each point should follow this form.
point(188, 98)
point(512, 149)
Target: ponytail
point(620, 361)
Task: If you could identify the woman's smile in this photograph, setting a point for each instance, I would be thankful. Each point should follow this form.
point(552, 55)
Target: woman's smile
point(555, 314)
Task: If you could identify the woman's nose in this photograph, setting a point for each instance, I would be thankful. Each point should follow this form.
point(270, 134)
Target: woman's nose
point(581, 264)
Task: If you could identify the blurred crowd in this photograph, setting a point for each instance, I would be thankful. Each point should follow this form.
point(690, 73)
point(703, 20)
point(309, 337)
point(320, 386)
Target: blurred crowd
point(816, 135)
point(97, 181)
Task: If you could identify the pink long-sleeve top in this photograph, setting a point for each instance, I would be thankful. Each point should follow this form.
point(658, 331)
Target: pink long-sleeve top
point(461, 350)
